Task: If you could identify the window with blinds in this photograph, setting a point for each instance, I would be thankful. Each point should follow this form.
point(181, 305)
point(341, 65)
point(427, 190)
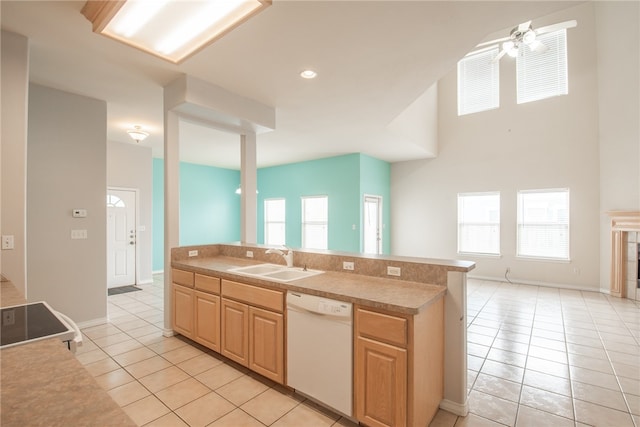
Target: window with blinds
point(274, 222)
point(479, 223)
point(478, 82)
point(542, 74)
point(315, 222)
point(543, 224)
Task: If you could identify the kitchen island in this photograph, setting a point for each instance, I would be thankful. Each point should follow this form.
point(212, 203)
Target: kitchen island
point(43, 384)
point(403, 365)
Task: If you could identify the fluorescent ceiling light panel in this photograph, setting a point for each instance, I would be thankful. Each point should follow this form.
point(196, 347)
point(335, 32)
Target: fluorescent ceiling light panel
point(170, 29)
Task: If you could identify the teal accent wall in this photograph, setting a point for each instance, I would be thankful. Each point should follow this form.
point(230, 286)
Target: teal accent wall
point(209, 207)
point(344, 179)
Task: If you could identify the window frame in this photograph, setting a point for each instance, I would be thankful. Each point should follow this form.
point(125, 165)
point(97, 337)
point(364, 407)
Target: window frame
point(520, 225)
point(461, 224)
point(305, 222)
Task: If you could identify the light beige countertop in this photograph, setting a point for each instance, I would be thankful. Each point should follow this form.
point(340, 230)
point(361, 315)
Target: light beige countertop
point(43, 384)
point(394, 295)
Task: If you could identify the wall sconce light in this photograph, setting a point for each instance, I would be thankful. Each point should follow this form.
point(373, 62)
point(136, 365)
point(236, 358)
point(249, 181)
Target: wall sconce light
point(137, 134)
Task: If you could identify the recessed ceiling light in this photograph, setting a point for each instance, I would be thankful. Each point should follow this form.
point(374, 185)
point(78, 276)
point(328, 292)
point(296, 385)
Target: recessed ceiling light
point(308, 74)
point(170, 29)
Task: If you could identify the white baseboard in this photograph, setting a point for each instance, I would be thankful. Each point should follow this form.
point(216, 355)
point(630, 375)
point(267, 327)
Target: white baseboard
point(94, 322)
point(460, 409)
point(168, 333)
point(158, 272)
point(537, 283)
point(145, 282)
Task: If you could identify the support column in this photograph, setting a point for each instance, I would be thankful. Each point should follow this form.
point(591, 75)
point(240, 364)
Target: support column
point(249, 185)
point(455, 345)
point(171, 206)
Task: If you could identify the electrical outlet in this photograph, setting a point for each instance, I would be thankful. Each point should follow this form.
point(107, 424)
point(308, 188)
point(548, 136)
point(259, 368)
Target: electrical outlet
point(393, 271)
point(347, 265)
point(8, 317)
point(78, 234)
point(249, 254)
point(193, 253)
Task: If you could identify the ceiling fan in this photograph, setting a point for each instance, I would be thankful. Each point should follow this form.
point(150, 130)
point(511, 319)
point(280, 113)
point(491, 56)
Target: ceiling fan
point(525, 34)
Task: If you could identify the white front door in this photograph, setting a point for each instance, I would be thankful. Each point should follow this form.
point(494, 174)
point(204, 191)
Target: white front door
point(372, 234)
point(121, 237)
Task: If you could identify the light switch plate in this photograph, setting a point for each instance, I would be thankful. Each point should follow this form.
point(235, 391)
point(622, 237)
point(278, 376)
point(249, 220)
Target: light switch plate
point(7, 242)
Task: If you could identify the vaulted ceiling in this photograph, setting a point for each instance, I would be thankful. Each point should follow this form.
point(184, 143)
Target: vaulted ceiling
point(373, 58)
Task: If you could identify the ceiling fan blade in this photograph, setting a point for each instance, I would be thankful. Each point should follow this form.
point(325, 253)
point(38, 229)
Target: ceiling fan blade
point(500, 55)
point(524, 26)
point(556, 27)
point(496, 41)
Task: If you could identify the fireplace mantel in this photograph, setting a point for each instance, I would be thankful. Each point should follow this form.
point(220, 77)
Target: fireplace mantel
point(622, 222)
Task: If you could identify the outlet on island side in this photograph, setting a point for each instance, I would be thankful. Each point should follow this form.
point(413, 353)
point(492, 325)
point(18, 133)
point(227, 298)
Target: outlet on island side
point(249, 254)
point(393, 271)
point(348, 265)
point(193, 253)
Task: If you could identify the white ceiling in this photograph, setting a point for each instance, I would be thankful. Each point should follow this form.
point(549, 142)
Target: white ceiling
point(373, 58)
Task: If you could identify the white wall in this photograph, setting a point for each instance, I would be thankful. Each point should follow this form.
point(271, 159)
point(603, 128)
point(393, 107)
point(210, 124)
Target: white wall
point(551, 143)
point(131, 166)
point(13, 155)
point(66, 156)
point(619, 117)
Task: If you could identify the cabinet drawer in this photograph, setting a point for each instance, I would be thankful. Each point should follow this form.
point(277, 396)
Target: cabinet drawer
point(208, 284)
point(261, 297)
point(182, 277)
point(382, 327)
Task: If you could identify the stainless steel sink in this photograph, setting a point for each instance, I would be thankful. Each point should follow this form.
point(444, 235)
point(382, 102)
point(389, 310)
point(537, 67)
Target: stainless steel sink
point(275, 272)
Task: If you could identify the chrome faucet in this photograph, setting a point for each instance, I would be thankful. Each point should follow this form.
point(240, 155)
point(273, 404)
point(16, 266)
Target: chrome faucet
point(288, 257)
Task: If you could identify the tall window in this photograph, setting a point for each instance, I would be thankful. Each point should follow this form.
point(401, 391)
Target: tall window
point(479, 223)
point(543, 224)
point(478, 82)
point(315, 222)
point(274, 222)
point(543, 73)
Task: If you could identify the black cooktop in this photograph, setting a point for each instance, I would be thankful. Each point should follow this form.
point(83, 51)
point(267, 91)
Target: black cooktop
point(29, 322)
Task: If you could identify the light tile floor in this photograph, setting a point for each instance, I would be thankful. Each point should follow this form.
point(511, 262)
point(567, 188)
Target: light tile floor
point(537, 357)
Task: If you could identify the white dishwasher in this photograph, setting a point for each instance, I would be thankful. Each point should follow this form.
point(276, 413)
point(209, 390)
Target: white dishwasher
point(320, 350)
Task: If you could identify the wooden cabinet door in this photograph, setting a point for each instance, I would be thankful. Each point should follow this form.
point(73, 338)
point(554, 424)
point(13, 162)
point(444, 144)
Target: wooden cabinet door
point(182, 305)
point(266, 343)
point(235, 331)
point(207, 320)
point(381, 384)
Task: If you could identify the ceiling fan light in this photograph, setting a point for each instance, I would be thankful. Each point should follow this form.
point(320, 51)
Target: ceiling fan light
point(529, 37)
